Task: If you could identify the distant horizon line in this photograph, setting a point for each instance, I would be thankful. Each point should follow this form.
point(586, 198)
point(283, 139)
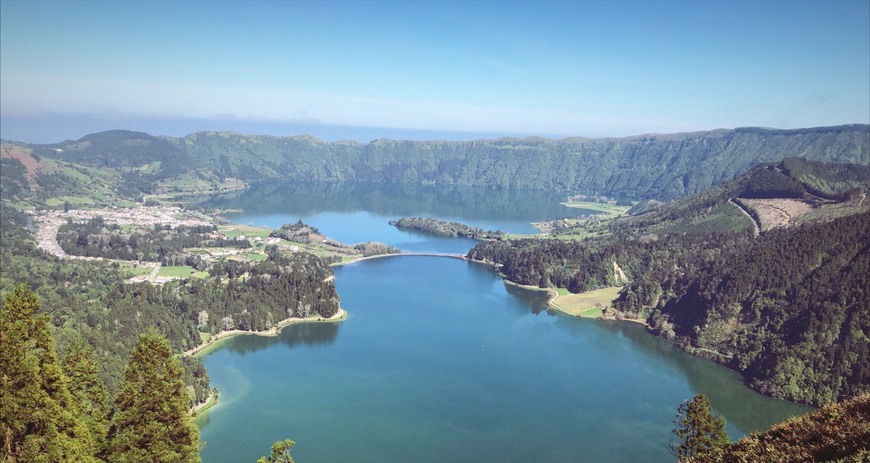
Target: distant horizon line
point(472, 136)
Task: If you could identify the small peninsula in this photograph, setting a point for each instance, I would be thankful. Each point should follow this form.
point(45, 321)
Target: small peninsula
point(444, 228)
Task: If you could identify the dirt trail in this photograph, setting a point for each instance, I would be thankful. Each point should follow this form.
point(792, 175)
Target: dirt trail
point(755, 225)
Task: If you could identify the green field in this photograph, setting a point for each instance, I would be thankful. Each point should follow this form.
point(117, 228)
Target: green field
point(130, 270)
point(234, 231)
point(182, 271)
point(587, 304)
point(609, 209)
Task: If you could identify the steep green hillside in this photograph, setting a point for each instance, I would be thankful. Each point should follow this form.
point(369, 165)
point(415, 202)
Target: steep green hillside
point(788, 308)
point(648, 166)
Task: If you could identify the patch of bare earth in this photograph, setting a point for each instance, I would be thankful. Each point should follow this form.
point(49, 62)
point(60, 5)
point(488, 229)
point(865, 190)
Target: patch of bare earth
point(23, 156)
point(777, 212)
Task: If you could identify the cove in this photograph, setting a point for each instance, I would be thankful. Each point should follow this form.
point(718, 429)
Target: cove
point(439, 360)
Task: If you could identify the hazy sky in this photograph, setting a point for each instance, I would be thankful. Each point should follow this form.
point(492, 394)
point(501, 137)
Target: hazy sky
point(599, 68)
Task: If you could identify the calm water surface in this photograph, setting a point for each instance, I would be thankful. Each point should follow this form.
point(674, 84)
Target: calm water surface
point(440, 361)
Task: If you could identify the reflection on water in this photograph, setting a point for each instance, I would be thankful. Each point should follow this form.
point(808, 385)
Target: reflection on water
point(536, 301)
point(317, 334)
point(745, 409)
point(396, 199)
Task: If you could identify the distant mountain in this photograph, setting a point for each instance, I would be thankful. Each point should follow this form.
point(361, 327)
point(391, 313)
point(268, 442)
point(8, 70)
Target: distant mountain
point(640, 167)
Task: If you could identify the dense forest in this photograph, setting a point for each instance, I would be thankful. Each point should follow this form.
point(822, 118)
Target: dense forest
point(789, 309)
point(645, 166)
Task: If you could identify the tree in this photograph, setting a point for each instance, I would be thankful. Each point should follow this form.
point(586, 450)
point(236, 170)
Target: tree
point(151, 423)
point(699, 433)
point(38, 416)
point(88, 391)
point(280, 453)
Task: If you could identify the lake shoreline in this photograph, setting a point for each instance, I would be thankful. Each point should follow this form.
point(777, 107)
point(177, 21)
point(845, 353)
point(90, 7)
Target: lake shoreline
point(554, 296)
point(223, 335)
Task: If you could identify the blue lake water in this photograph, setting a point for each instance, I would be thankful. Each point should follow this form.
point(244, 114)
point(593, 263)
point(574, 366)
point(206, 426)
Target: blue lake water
point(439, 360)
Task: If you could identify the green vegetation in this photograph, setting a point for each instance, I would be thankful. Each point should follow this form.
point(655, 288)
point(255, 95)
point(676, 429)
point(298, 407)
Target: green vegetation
point(180, 271)
point(835, 433)
point(589, 304)
point(376, 249)
point(57, 411)
point(788, 309)
point(94, 303)
point(40, 419)
point(280, 453)
point(698, 433)
point(634, 167)
point(160, 243)
point(150, 420)
point(610, 210)
point(444, 228)
point(129, 270)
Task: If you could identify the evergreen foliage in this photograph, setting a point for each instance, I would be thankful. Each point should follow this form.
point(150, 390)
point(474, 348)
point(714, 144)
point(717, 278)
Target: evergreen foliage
point(280, 453)
point(444, 228)
point(698, 432)
point(150, 422)
point(88, 390)
point(39, 417)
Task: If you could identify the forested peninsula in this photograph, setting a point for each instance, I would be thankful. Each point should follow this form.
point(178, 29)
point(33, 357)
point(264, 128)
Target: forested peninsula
point(444, 228)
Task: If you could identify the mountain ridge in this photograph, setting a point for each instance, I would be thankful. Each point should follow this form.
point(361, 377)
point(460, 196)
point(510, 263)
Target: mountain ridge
point(651, 166)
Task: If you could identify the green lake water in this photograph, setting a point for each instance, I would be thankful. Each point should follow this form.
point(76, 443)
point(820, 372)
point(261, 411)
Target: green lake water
point(439, 360)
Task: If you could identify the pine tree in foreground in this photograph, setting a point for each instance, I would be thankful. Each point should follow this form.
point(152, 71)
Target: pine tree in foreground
point(150, 422)
point(698, 431)
point(88, 391)
point(39, 418)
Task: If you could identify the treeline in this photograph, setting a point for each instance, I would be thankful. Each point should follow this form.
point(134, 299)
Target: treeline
point(790, 310)
point(164, 244)
point(444, 228)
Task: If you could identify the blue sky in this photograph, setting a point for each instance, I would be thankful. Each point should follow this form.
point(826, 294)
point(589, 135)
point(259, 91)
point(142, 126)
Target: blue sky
point(565, 68)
